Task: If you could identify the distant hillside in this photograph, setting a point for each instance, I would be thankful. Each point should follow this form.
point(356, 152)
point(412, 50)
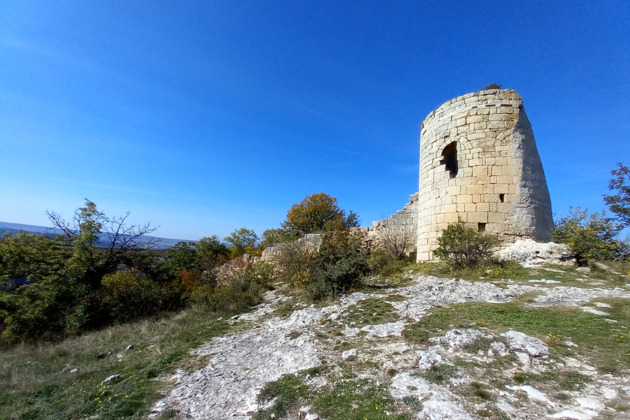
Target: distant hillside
point(15, 228)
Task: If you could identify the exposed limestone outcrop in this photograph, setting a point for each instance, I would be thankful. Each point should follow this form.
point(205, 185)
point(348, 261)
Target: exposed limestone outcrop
point(530, 253)
point(239, 366)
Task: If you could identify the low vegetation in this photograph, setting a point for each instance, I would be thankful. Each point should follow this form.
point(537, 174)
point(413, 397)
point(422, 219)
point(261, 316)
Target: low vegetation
point(604, 343)
point(96, 302)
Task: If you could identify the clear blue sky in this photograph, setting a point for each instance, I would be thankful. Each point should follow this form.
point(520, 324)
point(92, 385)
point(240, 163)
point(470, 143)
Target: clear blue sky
point(206, 116)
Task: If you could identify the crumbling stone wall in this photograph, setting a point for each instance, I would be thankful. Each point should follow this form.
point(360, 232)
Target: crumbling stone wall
point(407, 216)
point(479, 163)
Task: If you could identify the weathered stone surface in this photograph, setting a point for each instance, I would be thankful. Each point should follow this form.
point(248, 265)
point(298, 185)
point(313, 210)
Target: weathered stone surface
point(458, 338)
point(517, 341)
point(239, 366)
point(530, 253)
point(486, 160)
point(429, 357)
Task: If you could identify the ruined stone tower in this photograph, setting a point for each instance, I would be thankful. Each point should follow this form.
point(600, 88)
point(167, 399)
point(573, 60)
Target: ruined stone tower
point(479, 163)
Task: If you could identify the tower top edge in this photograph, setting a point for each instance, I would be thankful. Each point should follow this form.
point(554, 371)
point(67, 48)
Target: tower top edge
point(472, 99)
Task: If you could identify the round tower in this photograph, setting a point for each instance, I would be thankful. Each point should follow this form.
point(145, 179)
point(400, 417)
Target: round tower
point(479, 164)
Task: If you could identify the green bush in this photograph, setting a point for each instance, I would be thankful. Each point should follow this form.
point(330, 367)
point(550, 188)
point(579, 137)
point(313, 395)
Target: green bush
point(294, 261)
point(38, 310)
point(464, 247)
point(590, 236)
point(238, 289)
point(386, 264)
point(339, 265)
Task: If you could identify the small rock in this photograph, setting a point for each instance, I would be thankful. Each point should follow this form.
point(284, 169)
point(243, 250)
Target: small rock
point(429, 357)
point(111, 378)
point(609, 394)
point(523, 358)
point(129, 347)
point(532, 393)
point(497, 348)
point(602, 305)
point(349, 354)
point(74, 370)
point(533, 346)
point(594, 311)
point(589, 403)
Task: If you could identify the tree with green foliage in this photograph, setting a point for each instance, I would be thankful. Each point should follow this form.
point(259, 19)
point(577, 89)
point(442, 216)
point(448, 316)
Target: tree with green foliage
point(619, 203)
point(90, 260)
point(315, 214)
point(211, 252)
point(339, 265)
point(590, 236)
point(243, 239)
point(31, 255)
point(464, 247)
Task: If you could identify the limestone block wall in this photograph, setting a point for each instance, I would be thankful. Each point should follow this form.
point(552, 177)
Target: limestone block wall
point(479, 163)
point(407, 216)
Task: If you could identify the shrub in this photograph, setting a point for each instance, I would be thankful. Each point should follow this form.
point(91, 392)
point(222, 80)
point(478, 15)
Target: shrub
point(38, 310)
point(294, 261)
point(127, 296)
point(385, 264)
point(590, 236)
point(339, 265)
point(464, 247)
point(400, 241)
point(239, 287)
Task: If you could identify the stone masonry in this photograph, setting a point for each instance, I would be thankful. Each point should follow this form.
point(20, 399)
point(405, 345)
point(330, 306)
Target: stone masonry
point(479, 163)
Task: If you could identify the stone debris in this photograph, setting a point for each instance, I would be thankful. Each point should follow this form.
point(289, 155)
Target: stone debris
point(532, 254)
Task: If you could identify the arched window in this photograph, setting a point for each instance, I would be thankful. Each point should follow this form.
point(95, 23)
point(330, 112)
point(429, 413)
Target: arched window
point(449, 159)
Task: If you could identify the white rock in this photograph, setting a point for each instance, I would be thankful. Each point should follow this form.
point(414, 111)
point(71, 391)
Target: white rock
point(590, 403)
point(532, 393)
point(523, 359)
point(602, 305)
point(385, 330)
point(458, 338)
point(530, 253)
point(517, 341)
point(497, 348)
point(349, 354)
point(571, 414)
point(505, 406)
point(592, 310)
point(429, 357)
point(609, 393)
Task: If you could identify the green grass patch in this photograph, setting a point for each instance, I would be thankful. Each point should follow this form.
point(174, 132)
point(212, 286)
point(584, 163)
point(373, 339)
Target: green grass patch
point(354, 399)
point(439, 374)
point(565, 380)
point(41, 381)
point(285, 394)
point(371, 312)
point(604, 343)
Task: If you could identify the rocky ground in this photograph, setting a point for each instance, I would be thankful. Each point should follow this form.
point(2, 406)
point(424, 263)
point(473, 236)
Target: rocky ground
point(375, 344)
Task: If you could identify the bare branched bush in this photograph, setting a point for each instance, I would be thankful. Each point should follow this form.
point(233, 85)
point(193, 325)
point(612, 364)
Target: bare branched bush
point(400, 240)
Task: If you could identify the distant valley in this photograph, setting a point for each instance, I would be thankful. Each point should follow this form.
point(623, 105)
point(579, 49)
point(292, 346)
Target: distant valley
point(15, 228)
